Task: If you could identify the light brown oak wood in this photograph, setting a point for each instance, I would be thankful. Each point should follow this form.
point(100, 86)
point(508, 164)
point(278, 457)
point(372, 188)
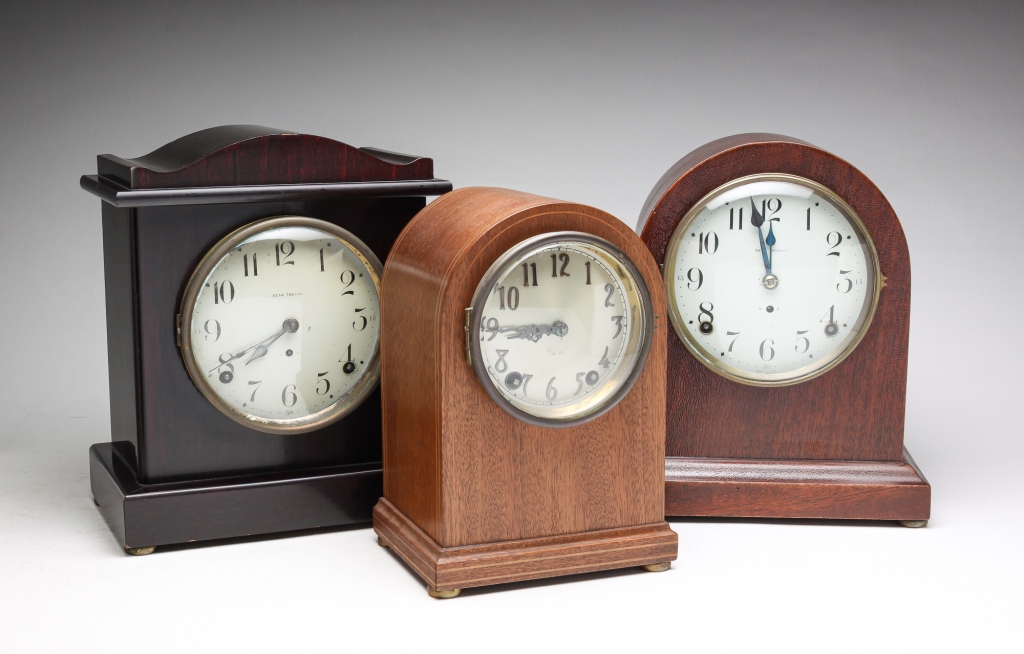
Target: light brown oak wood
point(457, 466)
point(719, 432)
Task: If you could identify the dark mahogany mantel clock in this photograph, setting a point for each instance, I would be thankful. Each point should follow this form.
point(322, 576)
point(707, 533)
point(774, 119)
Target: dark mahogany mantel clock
point(523, 394)
point(788, 283)
point(242, 273)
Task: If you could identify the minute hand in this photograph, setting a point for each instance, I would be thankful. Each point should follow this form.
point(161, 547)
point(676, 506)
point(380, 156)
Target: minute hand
point(756, 219)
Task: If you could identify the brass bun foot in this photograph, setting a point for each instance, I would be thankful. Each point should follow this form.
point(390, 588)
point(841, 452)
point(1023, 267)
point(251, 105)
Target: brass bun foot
point(914, 524)
point(443, 594)
point(657, 567)
point(139, 551)
point(380, 541)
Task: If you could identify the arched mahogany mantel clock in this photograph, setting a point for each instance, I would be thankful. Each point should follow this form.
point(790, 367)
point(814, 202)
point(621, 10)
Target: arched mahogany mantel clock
point(523, 394)
point(242, 267)
point(788, 283)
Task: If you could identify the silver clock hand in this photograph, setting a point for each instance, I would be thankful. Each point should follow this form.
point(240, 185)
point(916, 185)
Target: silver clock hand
point(290, 325)
point(535, 332)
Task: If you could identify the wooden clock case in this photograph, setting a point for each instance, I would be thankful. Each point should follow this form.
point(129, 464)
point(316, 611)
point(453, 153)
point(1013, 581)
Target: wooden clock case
point(472, 495)
point(831, 447)
point(177, 470)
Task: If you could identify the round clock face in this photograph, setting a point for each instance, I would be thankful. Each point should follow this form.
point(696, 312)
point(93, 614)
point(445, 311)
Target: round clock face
point(280, 324)
point(772, 280)
point(560, 328)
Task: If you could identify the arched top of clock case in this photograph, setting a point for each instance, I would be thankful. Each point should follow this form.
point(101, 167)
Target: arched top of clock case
point(233, 155)
point(725, 159)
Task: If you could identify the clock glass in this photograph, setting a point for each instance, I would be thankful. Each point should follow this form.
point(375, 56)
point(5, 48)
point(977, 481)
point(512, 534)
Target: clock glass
point(772, 279)
point(280, 324)
point(560, 328)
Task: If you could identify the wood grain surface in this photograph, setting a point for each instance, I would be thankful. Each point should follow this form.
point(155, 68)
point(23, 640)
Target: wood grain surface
point(449, 568)
point(856, 411)
point(234, 155)
point(455, 464)
point(230, 480)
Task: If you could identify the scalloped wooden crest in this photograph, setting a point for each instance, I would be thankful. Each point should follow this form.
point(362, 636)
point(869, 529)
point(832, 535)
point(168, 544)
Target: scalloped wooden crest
point(237, 155)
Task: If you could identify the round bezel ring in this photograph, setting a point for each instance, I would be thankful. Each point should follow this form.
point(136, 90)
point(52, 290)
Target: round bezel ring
point(345, 404)
point(510, 259)
point(838, 355)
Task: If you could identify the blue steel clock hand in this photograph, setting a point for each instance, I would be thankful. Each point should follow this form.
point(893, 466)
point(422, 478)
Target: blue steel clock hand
point(770, 281)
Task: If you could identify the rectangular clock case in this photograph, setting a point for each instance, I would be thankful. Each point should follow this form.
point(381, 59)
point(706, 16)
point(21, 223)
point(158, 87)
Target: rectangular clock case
point(177, 470)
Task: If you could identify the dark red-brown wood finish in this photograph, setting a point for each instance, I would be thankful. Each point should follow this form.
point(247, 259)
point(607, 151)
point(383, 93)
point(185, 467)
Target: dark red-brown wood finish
point(854, 413)
point(183, 471)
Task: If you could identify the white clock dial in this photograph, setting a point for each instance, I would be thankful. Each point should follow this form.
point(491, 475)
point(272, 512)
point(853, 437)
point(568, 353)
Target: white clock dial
point(772, 279)
point(280, 324)
point(560, 328)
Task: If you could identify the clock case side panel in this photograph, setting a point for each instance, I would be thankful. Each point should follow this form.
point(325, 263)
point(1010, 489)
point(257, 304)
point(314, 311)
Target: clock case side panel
point(410, 388)
point(120, 290)
point(412, 383)
point(185, 436)
point(855, 411)
point(506, 479)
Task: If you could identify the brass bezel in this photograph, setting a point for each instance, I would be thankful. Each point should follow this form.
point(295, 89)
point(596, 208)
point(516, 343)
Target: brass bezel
point(713, 363)
point(500, 268)
point(313, 421)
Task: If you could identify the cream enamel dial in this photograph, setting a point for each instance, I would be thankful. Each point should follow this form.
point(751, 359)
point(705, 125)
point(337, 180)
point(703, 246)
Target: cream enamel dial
point(280, 326)
point(560, 328)
point(772, 280)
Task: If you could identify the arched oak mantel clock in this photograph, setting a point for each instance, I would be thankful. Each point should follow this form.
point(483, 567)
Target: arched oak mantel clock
point(788, 283)
point(242, 267)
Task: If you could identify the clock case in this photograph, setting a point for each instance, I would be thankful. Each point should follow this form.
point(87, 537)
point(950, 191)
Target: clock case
point(472, 495)
point(830, 447)
point(176, 469)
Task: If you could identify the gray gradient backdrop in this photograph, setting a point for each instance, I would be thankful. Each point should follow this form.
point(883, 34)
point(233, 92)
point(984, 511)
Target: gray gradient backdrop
point(585, 102)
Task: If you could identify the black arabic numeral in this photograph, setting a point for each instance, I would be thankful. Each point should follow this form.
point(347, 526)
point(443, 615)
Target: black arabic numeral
point(365, 321)
point(705, 244)
point(733, 341)
point(618, 325)
point(493, 327)
point(214, 332)
point(807, 342)
point(610, 289)
point(286, 395)
point(348, 278)
point(287, 248)
point(849, 282)
point(328, 383)
point(691, 281)
point(587, 264)
point(245, 265)
point(223, 292)
point(527, 268)
point(739, 216)
point(828, 239)
point(564, 258)
point(766, 346)
point(252, 398)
